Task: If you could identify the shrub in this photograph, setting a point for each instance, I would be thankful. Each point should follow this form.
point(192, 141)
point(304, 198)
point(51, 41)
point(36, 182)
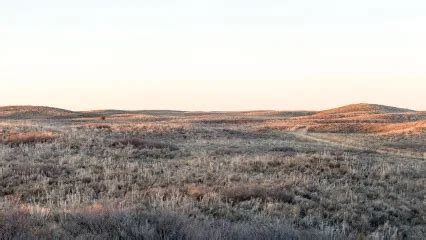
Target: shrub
point(265, 193)
point(288, 151)
point(197, 192)
point(138, 224)
point(142, 144)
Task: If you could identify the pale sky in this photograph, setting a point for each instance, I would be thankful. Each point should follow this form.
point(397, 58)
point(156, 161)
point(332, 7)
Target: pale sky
point(212, 54)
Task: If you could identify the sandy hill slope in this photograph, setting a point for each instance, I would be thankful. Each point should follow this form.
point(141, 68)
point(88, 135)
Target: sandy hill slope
point(358, 118)
point(34, 112)
point(362, 109)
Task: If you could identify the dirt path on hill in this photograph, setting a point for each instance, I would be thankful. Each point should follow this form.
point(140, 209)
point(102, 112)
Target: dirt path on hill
point(304, 134)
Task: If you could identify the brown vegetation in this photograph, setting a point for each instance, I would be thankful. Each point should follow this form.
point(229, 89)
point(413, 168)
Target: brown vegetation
point(17, 138)
point(358, 118)
point(142, 143)
point(244, 192)
point(266, 175)
point(33, 112)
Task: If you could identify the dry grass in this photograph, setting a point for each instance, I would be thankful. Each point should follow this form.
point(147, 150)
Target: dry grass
point(417, 127)
point(17, 138)
point(31, 112)
point(142, 143)
point(197, 192)
point(181, 178)
point(244, 192)
point(358, 118)
point(363, 108)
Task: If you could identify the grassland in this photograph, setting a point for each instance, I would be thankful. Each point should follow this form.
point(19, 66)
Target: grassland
point(356, 172)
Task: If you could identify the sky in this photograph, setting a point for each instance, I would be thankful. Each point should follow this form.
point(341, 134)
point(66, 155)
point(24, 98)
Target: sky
point(212, 54)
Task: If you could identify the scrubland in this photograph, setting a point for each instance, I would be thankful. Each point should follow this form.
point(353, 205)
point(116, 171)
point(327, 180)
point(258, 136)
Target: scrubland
point(356, 172)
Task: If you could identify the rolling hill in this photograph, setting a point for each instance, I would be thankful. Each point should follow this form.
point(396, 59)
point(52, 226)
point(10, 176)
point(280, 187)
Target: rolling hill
point(362, 109)
point(34, 112)
point(358, 118)
point(355, 118)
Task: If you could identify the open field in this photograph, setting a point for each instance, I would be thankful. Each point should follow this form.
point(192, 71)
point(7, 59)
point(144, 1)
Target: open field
point(356, 172)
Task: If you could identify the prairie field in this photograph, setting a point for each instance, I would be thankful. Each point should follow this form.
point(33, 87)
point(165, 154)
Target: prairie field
point(355, 172)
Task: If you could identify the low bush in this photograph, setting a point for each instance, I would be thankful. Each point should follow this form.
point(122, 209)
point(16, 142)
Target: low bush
point(265, 193)
point(143, 144)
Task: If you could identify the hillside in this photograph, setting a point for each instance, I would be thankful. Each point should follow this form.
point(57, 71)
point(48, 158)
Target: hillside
point(363, 109)
point(76, 175)
point(33, 112)
point(357, 118)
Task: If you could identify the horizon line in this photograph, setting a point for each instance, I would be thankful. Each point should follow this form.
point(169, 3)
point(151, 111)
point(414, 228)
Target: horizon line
point(182, 110)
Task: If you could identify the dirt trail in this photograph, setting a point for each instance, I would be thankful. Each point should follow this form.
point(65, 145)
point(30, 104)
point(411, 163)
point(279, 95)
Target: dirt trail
point(304, 134)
